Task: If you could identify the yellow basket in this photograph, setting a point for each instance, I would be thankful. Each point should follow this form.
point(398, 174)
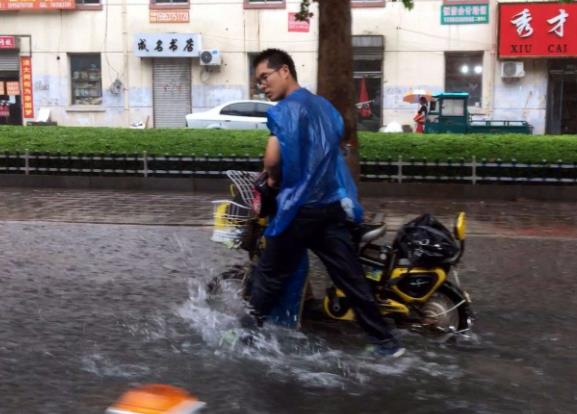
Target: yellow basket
point(230, 219)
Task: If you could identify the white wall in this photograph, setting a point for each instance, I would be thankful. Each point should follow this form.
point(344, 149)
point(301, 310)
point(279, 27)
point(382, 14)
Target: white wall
point(523, 98)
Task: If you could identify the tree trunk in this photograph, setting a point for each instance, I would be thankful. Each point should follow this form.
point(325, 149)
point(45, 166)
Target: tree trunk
point(335, 70)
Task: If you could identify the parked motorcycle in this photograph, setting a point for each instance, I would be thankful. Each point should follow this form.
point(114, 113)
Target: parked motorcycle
point(414, 279)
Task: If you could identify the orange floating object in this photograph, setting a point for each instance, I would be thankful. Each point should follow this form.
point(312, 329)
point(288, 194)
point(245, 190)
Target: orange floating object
point(156, 399)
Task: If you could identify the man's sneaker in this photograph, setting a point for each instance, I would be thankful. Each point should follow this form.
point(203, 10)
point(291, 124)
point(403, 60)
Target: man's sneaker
point(387, 349)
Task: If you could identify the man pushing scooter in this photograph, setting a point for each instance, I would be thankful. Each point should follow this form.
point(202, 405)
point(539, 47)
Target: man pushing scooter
point(316, 197)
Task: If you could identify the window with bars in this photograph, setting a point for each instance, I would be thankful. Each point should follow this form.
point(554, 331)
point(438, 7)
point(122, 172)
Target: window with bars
point(86, 79)
point(88, 2)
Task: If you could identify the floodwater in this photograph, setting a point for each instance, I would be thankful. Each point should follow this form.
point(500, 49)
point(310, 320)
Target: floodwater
point(90, 310)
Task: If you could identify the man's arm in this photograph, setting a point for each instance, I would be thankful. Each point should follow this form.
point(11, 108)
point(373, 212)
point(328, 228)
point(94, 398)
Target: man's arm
point(272, 161)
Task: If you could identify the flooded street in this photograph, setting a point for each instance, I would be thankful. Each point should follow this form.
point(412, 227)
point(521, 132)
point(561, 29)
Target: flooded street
point(104, 290)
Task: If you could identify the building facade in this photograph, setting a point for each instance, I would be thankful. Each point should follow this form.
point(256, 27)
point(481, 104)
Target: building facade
point(120, 62)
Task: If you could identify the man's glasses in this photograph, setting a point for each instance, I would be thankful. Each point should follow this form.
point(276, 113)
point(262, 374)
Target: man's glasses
point(263, 79)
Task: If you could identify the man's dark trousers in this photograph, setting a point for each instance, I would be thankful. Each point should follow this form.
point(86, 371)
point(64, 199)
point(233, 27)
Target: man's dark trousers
point(324, 231)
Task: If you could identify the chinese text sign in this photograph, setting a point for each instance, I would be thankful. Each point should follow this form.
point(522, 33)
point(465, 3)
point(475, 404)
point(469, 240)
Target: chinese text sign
point(537, 30)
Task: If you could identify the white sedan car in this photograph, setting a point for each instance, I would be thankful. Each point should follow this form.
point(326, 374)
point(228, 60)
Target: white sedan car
point(232, 115)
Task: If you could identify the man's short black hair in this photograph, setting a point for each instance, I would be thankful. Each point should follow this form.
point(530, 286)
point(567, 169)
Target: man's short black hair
point(276, 59)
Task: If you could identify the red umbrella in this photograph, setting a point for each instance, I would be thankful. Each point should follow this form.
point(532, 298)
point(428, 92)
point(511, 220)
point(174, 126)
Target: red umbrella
point(363, 102)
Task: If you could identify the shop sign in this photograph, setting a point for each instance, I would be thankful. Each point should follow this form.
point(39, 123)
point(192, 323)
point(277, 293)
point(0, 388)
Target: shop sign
point(26, 78)
point(12, 88)
point(169, 16)
point(167, 44)
point(2, 88)
point(37, 4)
point(537, 30)
point(295, 25)
point(465, 13)
point(7, 42)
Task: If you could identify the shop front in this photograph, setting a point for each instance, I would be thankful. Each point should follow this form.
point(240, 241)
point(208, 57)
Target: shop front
point(10, 98)
point(171, 55)
point(545, 34)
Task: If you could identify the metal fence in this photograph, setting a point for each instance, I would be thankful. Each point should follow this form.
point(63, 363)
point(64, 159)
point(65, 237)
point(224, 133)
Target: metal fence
point(398, 170)
point(471, 171)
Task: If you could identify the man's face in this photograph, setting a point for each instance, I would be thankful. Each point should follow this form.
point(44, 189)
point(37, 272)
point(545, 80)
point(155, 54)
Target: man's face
point(273, 82)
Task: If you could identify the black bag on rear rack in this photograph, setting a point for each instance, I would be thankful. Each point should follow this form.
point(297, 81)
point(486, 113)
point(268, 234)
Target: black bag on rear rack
point(424, 241)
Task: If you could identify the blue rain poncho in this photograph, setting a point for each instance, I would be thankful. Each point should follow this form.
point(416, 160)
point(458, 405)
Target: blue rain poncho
point(314, 171)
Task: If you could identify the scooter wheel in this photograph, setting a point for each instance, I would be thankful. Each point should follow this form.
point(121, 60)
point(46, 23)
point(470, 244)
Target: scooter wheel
point(336, 307)
point(445, 312)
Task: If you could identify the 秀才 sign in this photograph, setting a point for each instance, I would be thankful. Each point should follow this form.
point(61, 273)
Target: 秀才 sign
point(537, 30)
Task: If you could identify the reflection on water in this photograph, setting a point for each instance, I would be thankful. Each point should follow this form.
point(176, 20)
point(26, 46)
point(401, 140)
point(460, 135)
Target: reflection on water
point(91, 310)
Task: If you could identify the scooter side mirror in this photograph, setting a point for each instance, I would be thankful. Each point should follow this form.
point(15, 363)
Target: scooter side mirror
point(460, 226)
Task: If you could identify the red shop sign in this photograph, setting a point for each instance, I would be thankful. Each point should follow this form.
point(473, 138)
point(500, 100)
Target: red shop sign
point(537, 30)
point(26, 79)
point(295, 25)
point(7, 42)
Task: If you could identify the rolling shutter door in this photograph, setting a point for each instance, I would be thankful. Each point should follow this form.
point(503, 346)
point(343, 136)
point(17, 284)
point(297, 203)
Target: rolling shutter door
point(368, 47)
point(9, 62)
point(171, 82)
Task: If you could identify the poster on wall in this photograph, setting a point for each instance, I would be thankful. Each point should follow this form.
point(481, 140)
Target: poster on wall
point(12, 88)
point(34, 5)
point(465, 13)
point(26, 79)
point(169, 16)
point(537, 30)
point(295, 25)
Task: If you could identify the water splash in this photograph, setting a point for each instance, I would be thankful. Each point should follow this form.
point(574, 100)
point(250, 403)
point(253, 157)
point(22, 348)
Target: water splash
point(288, 354)
point(102, 366)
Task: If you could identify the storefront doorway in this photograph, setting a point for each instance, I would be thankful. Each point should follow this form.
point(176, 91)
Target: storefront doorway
point(368, 74)
point(172, 101)
point(10, 102)
point(562, 97)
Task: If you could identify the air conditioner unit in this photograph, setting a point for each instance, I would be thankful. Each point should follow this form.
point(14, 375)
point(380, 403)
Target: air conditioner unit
point(210, 57)
point(511, 69)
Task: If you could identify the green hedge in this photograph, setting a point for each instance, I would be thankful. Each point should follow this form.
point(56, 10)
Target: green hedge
point(123, 140)
point(375, 146)
point(523, 148)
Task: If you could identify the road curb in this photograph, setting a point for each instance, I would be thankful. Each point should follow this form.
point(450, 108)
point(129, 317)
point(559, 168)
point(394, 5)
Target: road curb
point(497, 191)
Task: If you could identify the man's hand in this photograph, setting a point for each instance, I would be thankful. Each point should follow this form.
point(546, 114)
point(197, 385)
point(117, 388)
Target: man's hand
point(272, 162)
